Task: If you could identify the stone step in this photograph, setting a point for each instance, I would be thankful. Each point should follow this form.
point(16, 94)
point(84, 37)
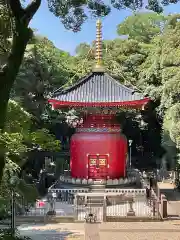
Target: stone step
point(97, 188)
point(97, 201)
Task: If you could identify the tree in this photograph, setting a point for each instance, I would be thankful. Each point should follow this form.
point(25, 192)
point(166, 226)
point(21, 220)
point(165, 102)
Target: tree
point(19, 139)
point(159, 77)
point(122, 59)
point(44, 69)
point(5, 33)
point(142, 27)
point(83, 49)
point(170, 79)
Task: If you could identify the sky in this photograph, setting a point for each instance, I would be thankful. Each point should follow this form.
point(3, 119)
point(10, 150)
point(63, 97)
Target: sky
point(51, 27)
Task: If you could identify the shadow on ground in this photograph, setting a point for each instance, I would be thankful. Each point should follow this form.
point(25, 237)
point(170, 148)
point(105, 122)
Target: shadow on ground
point(37, 233)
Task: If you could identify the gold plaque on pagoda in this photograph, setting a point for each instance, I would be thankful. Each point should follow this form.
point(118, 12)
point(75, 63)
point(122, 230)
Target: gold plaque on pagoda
point(102, 161)
point(92, 161)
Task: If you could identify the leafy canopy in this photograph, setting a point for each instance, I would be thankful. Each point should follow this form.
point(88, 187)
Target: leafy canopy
point(142, 26)
point(44, 69)
point(18, 139)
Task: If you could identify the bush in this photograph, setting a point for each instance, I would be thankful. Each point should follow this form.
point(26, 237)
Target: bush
point(6, 234)
point(4, 208)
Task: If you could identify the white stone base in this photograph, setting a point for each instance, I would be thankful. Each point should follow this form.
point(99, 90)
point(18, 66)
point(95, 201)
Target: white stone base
point(109, 182)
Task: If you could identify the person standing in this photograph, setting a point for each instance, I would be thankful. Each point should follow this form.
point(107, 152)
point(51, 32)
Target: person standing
point(151, 182)
point(147, 195)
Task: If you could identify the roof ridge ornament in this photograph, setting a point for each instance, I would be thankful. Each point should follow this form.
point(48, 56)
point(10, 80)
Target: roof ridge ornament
point(99, 62)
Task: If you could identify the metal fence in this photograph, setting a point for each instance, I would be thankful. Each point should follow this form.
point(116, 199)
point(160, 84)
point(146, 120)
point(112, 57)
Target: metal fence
point(138, 207)
point(41, 211)
point(114, 206)
point(31, 210)
point(113, 203)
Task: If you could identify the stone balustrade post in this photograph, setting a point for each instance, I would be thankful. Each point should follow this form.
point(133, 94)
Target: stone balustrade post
point(164, 206)
point(75, 207)
point(104, 208)
point(154, 206)
point(131, 211)
point(51, 205)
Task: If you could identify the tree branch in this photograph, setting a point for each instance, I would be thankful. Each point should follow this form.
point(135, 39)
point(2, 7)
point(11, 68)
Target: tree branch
point(31, 9)
point(16, 9)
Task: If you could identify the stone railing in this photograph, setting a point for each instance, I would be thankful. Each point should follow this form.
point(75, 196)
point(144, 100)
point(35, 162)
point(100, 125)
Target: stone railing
point(109, 182)
point(130, 191)
point(155, 203)
point(107, 191)
point(69, 190)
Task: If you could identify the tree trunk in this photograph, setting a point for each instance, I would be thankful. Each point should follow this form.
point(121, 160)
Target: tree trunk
point(7, 78)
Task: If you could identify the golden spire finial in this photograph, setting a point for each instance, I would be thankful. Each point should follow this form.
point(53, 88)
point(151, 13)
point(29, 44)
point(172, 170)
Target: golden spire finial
point(99, 63)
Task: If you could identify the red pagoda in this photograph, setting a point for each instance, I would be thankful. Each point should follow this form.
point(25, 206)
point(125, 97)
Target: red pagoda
point(98, 150)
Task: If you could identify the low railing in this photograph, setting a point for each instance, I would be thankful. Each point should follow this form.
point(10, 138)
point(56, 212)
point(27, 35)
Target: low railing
point(115, 206)
point(155, 204)
point(109, 182)
point(107, 190)
point(69, 190)
point(41, 211)
point(107, 205)
point(130, 191)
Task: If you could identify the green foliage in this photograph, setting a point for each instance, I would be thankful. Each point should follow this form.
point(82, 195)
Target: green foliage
point(83, 49)
point(29, 191)
point(142, 26)
point(18, 133)
point(18, 139)
point(122, 59)
point(74, 13)
point(4, 208)
point(15, 148)
point(6, 234)
point(5, 32)
point(172, 123)
point(44, 69)
point(45, 140)
point(17, 120)
point(159, 78)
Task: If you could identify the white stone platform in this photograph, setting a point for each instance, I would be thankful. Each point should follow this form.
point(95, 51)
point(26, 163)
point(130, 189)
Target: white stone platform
point(110, 182)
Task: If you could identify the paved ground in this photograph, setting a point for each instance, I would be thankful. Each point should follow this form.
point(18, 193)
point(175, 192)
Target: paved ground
point(111, 231)
point(106, 231)
point(166, 185)
point(52, 231)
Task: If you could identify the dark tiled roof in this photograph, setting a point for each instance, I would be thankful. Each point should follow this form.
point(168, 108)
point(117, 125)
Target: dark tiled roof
point(97, 87)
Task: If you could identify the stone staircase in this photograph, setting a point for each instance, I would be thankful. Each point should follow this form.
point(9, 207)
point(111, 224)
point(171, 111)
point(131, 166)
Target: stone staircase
point(96, 199)
point(97, 187)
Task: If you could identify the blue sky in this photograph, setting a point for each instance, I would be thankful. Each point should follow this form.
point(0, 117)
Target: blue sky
point(51, 27)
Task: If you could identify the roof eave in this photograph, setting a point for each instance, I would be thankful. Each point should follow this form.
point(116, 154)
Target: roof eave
point(131, 104)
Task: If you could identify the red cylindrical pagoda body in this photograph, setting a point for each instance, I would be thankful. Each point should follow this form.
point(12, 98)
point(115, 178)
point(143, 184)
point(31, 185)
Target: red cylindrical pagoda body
point(98, 150)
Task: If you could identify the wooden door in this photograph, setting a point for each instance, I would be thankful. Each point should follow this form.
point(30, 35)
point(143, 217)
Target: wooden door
point(97, 166)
